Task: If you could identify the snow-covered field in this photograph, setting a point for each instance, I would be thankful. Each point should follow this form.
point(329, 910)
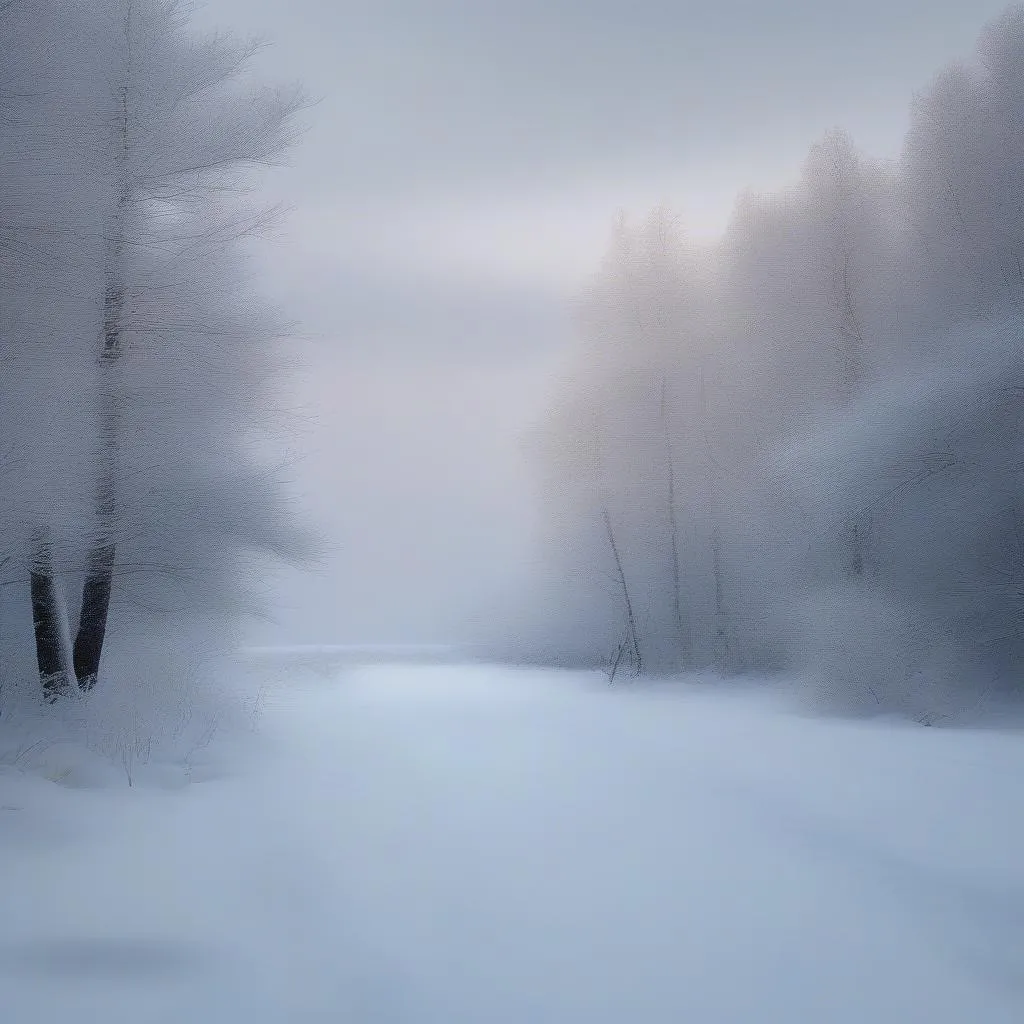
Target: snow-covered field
point(442, 844)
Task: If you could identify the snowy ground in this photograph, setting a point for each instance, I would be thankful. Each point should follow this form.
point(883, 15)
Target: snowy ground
point(469, 845)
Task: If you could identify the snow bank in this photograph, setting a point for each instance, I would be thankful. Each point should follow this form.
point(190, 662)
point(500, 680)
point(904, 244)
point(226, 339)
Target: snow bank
point(465, 844)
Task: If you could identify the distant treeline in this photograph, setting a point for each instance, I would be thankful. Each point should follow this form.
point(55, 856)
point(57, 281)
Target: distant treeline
point(800, 449)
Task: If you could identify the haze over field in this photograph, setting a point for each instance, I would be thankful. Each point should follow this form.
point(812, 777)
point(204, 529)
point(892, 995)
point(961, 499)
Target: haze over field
point(409, 845)
point(511, 512)
point(455, 191)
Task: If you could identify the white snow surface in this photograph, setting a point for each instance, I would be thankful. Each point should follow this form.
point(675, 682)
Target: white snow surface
point(446, 844)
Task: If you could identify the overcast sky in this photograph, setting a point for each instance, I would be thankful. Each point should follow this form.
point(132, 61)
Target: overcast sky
point(457, 182)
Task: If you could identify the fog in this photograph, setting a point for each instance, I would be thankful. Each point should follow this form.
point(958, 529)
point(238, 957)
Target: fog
point(483, 337)
point(454, 192)
point(797, 448)
point(491, 491)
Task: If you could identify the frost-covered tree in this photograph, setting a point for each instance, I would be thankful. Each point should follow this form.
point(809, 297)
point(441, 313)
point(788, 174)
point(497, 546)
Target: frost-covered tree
point(47, 274)
point(158, 361)
point(844, 366)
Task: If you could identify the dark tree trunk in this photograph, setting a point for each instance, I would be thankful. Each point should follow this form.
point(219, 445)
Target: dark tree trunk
point(47, 619)
point(92, 619)
point(92, 622)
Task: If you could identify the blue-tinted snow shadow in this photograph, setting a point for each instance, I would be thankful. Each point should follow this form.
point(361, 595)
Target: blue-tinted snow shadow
point(105, 959)
point(977, 925)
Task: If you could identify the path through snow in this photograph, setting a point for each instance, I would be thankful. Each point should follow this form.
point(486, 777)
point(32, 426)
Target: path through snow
point(470, 845)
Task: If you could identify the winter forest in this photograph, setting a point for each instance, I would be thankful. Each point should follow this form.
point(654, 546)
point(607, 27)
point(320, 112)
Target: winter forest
point(799, 449)
point(412, 614)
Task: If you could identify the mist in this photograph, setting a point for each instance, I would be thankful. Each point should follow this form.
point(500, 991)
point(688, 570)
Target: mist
point(646, 351)
point(457, 244)
point(667, 275)
point(511, 513)
point(795, 449)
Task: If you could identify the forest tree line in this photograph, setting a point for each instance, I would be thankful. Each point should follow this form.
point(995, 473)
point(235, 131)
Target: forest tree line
point(799, 449)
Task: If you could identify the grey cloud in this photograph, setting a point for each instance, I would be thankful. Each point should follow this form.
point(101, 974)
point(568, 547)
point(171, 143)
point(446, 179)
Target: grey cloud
point(360, 314)
point(430, 96)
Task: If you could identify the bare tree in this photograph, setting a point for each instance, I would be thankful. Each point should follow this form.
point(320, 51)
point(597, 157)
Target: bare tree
point(712, 492)
point(842, 208)
point(851, 341)
point(630, 644)
point(685, 639)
